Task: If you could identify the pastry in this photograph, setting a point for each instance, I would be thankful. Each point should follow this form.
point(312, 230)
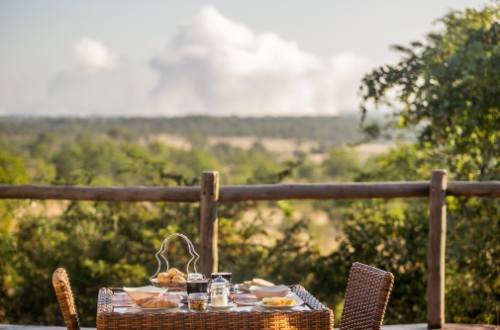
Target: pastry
point(172, 272)
point(178, 279)
point(171, 277)
point(163, 278)
point(262, 282)
point(245, 286)
point(157, 302)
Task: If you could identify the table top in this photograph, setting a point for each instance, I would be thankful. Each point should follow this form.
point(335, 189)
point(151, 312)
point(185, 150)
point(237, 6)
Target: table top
point(116, 311)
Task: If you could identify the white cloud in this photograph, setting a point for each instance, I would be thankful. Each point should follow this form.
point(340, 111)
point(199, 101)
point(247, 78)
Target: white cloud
point(211, 66)
point(93, 55)
point(96, 85)
point(119, 92)
point(216, 66)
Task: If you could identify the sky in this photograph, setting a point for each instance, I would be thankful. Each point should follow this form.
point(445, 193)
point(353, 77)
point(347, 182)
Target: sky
point(176, 58)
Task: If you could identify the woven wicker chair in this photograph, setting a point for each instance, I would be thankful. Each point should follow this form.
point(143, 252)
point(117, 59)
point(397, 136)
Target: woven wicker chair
point(62, 287)
point(366, 297)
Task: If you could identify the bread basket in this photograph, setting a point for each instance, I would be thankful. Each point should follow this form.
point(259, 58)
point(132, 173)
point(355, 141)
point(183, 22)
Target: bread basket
point(164, 265)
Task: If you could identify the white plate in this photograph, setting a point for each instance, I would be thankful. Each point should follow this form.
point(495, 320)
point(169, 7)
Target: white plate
point(247, 304)
point(260, 303)
point(228, 306)
point(296, 298)
point(244, 302)
point(291, 295)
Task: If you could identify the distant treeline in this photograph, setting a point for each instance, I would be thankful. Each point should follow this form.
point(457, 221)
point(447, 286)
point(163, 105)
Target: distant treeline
point(328, 130)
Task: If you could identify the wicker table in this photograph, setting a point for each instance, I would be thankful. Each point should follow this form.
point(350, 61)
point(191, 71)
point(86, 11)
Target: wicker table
point(313, 315)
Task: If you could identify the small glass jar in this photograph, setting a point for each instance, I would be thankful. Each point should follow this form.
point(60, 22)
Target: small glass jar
point(193, 286)
point(228, 277)
point(197, 301)
point(219, 291)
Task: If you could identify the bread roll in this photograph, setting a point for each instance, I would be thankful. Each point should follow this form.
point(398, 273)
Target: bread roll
point(163, 278)
point(262, 282)
point(172, 276)
point(172, 272)
point(178, 279)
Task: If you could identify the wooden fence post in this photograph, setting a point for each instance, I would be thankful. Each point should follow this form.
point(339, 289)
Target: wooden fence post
point(436, 246)
point(209, 195)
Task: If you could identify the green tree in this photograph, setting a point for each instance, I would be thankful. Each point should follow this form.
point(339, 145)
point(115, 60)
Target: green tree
point(447, 90)
point(12, 171)
point(12, 168)
point(341, 163)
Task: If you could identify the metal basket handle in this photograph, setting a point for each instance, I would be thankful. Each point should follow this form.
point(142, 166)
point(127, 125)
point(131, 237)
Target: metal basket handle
point(163, 248)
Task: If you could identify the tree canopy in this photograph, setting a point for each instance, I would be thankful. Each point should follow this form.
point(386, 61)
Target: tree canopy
point(447, 88)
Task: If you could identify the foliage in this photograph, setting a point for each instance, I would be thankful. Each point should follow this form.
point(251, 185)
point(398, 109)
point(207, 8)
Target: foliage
point(11, 168)
point(447, 90)
point(341, 162)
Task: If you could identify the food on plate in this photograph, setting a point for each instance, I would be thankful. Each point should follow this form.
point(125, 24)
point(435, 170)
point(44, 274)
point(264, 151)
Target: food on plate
point(143, 292)
point(171, 277)
point(255, 282)
point(278, 301)
point(272, 291)
point(158, 302)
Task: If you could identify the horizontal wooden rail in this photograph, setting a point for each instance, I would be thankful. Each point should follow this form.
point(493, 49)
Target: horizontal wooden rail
point(239, 193)
point(324, 191)
point(113, 194)
point(470, 189)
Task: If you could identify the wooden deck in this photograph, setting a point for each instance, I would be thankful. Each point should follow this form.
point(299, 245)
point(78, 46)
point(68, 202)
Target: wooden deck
point(420, 326)
point(34, 327)
point(423, 326)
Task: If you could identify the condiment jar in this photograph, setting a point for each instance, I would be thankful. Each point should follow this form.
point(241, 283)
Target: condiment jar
point(219, 291)
point(197, 301)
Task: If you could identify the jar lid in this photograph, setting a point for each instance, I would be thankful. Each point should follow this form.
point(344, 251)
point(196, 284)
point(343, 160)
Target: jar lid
point(198, 296)
point(220, 280)
point(195, 276)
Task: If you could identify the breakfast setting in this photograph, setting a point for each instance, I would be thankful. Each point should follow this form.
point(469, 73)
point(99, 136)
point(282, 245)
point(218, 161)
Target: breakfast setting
point(185, 298)
point(172, 290)
point(217, 294)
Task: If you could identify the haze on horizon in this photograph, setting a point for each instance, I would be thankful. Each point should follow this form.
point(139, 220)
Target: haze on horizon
point(166, 58)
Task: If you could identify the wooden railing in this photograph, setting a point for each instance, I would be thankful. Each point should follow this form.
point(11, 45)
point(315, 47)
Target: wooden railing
point(209, 194)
